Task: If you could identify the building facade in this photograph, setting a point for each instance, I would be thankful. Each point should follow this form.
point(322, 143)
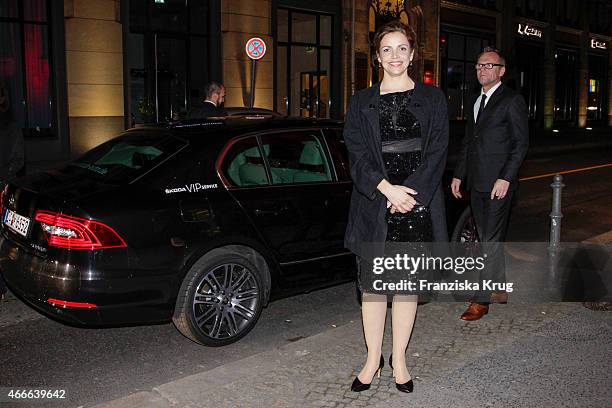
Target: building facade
point(558, 55)
point(80, 71)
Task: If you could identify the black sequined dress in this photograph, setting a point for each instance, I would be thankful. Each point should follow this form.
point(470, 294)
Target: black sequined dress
point(401, 146)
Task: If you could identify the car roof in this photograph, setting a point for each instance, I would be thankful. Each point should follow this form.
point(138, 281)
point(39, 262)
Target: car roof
point(237, 111)
point(230, 126)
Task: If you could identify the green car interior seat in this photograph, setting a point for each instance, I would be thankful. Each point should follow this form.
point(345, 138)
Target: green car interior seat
point(312, 166)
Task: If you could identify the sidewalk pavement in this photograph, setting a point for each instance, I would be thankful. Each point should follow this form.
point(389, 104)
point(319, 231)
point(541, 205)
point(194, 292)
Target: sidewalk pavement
point(565, 363)
point(554, 354)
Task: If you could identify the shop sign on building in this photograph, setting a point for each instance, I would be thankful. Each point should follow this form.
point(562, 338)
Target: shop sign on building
point(529, 31)
point(598, 44)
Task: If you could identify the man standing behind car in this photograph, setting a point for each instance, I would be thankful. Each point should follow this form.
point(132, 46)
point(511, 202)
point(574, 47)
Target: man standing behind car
point(212, 105)
point(492, 151)
point(11, 149)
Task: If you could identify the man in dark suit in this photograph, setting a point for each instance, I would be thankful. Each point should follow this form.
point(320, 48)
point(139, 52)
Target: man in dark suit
point(215, 96)
point(492, 151)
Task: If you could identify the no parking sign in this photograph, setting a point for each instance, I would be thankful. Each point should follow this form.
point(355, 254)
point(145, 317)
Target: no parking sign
point(255, 48)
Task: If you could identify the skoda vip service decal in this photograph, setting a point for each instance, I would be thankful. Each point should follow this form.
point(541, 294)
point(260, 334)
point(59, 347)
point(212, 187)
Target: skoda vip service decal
point(191, 188)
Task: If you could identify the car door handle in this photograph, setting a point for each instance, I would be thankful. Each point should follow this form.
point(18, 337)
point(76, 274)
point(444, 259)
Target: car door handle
point(276, 210)
point(261, 213)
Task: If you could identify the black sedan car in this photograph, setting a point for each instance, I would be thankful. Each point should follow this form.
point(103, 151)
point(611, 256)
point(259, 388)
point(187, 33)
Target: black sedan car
point(201, 222)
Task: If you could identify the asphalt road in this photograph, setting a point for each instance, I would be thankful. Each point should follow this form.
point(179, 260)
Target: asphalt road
point(586, 198)
point(97, 365)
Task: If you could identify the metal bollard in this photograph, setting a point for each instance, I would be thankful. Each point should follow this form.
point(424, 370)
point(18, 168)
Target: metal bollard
point(556, 215)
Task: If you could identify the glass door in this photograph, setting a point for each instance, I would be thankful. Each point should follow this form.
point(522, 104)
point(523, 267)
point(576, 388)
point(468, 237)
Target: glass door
point(158, 85)
point(566, 97)
point(168, 60)
point(170, 83)
point(530, 64)
point(313, 94)
point(303, 63)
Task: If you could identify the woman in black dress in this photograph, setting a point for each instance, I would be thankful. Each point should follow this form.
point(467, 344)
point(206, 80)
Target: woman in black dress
point(396, 133)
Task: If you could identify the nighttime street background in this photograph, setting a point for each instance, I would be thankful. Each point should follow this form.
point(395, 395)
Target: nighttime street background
point(97, 365)
point(80, 72)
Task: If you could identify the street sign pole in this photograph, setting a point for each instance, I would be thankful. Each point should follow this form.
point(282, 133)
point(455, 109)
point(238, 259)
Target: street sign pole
point(253, 65)
point(255, 49)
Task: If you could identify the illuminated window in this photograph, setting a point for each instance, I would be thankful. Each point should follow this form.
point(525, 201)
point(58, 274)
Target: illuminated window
point(25, 62)
point(597, 96)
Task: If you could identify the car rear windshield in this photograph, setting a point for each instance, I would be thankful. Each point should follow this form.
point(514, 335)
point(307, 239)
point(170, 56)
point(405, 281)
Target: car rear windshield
point(127, 157)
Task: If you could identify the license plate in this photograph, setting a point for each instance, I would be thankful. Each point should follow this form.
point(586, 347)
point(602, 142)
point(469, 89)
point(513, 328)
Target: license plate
point(16, 222)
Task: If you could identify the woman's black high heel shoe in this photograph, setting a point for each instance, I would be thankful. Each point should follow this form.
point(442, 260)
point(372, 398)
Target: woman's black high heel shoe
point(405, 387)
point(358, 386)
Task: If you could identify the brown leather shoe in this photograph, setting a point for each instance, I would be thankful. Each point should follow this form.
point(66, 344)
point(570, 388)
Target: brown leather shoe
point(475, 311)
point(499, 297)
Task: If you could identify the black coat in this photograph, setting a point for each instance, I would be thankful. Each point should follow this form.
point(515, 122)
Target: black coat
point(496, 146)
point(362, 137)
point(205, 110)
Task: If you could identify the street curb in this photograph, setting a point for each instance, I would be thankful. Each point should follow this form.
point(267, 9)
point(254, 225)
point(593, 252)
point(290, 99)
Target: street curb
point(189, 390)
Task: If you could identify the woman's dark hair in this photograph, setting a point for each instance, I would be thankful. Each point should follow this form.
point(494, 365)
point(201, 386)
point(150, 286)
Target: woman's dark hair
point(395, 26)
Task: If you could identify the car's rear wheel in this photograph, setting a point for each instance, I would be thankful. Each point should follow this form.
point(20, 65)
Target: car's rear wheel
point(220, 300)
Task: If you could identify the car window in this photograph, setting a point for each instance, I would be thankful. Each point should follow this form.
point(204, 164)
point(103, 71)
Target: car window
point(335, 141)
point(127, 157)
point(297, 157)
point(243, 164)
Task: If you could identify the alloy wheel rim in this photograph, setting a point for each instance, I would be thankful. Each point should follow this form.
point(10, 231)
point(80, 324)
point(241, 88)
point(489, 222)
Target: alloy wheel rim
point(469, 238)
point(225, 301)
point(468, 232)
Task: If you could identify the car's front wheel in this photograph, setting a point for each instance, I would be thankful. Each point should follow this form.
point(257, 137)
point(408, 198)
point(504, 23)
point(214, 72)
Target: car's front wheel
point(465, 243)
point(465, 229)
point(220, 300)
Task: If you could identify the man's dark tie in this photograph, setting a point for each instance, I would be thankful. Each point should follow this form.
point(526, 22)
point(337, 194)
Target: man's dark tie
point(482, 106)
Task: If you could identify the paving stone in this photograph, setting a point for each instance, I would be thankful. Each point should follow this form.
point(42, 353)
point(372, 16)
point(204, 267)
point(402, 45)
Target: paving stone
point(322, 378)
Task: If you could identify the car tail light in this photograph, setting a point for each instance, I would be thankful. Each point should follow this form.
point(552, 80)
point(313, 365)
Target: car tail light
point(64, 231)
point(64, 303)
